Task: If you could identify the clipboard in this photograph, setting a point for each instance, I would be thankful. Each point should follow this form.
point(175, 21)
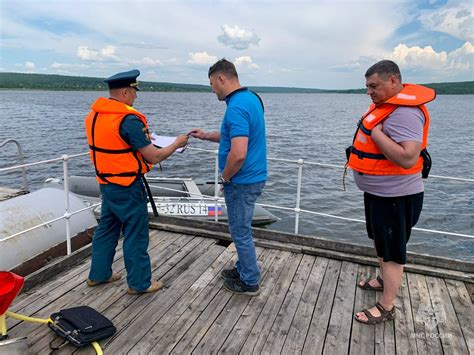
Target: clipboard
point(165, 141)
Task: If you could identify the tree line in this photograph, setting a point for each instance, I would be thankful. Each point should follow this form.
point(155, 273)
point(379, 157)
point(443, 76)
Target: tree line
point(78, 83)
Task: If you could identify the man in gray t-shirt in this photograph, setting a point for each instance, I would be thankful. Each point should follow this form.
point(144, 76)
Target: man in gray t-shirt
point(385, 158)
point(402, 125)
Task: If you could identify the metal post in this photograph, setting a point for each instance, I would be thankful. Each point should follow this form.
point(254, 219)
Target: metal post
point(23, 170)
point(216, 187)
point(67, 215)
point(298, 195)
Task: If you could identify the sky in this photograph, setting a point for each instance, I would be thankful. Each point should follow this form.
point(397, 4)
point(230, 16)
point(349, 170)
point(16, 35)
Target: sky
point(294, 43)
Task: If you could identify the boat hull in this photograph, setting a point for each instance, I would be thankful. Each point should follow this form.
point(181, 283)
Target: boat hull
point(173, 197)
point(26, 211)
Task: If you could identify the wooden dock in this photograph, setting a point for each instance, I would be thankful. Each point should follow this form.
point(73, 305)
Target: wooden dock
point(306, 306)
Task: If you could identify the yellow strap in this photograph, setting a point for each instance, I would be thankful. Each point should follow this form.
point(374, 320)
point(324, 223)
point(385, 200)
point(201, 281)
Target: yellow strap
point(97, 348)
point(3, 325)
point(28, 319)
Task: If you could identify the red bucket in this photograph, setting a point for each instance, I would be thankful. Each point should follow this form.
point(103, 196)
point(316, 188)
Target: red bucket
point(10, 286)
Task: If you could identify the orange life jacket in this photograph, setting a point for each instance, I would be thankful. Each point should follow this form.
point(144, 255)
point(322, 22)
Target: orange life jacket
point(114, 159)
point(365, 156)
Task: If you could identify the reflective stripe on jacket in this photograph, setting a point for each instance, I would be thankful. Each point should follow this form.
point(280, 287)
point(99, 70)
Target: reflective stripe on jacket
point(114, 159)
point(365, 156)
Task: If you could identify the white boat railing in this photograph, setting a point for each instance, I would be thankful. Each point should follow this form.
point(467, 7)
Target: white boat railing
point(297, 210)
point(20, 159)
point(67, 214)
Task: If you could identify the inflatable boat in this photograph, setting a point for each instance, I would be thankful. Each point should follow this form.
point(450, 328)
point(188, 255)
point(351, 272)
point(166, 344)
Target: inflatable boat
point(181, 197)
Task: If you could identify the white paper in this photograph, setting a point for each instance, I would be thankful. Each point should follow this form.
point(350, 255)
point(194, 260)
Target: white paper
point(164, 141)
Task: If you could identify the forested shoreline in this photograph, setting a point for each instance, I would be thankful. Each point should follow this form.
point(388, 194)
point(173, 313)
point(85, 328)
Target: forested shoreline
point(77, 83)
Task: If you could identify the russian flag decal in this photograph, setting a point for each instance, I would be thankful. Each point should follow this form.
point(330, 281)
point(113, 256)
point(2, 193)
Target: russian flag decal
point(211, 210)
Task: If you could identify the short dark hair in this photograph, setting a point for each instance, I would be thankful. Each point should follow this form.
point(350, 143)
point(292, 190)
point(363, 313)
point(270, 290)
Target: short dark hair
point(225, 67)
point(384, 68)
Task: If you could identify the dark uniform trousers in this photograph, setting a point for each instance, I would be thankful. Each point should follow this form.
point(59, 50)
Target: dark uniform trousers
point(124, 208)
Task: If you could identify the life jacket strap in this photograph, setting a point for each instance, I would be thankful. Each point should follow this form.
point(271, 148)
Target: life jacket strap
point(361, 155)
point(125, 174)
point(366, 131)
point(110, 151)
point(150, 196)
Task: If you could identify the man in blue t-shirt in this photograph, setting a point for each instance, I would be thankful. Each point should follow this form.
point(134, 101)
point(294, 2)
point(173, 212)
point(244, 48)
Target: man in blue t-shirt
point(243, 168)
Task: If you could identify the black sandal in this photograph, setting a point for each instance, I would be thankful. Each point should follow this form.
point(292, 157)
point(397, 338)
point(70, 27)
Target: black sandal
point(367, 286)
point(371, 319)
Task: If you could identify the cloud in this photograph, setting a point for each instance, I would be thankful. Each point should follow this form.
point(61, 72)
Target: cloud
point(106, 53)
point(302, 43)
point(245, 62)
point(142, 45)
point(417, 57)
point(67, 68)
point(238, 38)
point(455, 19)
point(462, 59)
point(348, 67)
point(146, 62)
point(30, 66)
point(455, 65)
point(202, 58)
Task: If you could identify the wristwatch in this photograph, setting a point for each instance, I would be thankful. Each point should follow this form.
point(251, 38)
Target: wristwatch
point(222, 180)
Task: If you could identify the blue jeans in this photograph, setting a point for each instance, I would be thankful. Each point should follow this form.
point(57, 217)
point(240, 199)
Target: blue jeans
point(240, 200)
point(124, 208)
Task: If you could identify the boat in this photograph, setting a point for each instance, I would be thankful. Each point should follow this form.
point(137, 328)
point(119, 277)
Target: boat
point(20, 242)
point(179, 197)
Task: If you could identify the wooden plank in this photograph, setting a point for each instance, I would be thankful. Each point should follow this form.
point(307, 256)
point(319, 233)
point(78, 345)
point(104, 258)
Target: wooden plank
point(170, 338)
point(7, 193)
point(216, 334)
point(245, 323)
point(257, 337)
point(318, 244)
point(299, 327)
point(363, 336)
point(317, 331)
point(449, 330)
point(278, 333)
point(108, 298)
point(384, 337)
point(195, 331)
point(339, 329)
point(470, 289)
point(404, 326)
point(135, 320)
point(99, 297)
point(46, 293)
point(464, 310)
point(153, 336)
point(422, 310)
point(68, 288)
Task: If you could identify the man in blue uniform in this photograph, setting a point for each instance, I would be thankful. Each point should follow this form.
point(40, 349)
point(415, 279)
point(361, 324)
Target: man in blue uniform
point(122, 153)
point(243, 167)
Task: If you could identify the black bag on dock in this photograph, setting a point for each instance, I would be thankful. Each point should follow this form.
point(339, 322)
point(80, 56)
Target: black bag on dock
point(80, 326)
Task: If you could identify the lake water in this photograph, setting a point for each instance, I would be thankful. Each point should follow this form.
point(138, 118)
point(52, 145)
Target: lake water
point(314, 127)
